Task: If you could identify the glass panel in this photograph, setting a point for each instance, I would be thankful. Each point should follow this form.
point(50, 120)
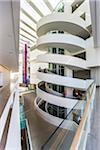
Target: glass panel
point(54, 3)
point(60, 7)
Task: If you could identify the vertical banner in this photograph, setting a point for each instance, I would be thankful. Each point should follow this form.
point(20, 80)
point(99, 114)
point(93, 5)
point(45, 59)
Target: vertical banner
point(25, 64)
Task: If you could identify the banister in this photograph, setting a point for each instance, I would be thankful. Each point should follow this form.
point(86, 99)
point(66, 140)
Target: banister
point(77, 138)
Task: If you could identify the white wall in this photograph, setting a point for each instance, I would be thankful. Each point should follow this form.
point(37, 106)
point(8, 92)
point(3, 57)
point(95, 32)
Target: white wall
point(14, 135)
point(95, 74)
point(92, 54)
point(4, 75)
point(34, 66)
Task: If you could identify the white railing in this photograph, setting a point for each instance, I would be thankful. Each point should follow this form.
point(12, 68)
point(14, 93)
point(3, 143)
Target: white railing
point(84, 126)
point(6, 111)
point(52, 119)
point(14, 135)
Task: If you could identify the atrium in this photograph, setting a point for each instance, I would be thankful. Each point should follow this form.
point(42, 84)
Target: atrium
point(49, 75)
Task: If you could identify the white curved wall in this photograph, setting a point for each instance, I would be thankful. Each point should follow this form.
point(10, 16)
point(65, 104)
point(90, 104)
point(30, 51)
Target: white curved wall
point(62, 80)
point(57, 100)
point(65, 41)
point(67, 60)
point(68, 124)
point(59, 21)
point(76, 26)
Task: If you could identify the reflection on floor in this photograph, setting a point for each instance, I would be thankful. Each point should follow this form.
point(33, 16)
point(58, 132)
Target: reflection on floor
point(40, 130)
point(4, 95)
point(93, 142)
point(4, 137)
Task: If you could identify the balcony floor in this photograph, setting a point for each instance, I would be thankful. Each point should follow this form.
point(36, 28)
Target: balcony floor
point(40, 130)
point(4, 95)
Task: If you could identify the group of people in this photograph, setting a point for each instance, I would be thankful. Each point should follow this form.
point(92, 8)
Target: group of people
point(43, 70)
point(79, 94)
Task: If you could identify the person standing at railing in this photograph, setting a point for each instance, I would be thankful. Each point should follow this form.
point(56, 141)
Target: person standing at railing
point(39, 69)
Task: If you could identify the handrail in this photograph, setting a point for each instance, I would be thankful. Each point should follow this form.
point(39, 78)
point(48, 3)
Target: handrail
point(79, 131)
point(81, 125)
point(58, 127)
point(29, 136)
point(42, 88)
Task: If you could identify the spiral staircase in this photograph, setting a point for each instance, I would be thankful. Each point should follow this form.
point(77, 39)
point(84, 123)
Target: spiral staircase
point(61, 37)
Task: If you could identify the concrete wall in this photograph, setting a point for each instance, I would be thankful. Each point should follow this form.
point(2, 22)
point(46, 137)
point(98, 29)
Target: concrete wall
point(4, 76)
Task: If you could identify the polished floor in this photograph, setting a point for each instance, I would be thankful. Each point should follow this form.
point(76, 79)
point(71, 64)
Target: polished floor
point(93, 142)
point(4, 136)
point(41, 130)
point(4, 95)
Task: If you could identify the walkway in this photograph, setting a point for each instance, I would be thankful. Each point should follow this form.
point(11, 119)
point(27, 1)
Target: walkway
point(93, 142)
point(4, 95)
point(40, 130)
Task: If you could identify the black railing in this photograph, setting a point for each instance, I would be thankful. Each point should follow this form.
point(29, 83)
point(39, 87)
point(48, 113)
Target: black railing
point(41, 85)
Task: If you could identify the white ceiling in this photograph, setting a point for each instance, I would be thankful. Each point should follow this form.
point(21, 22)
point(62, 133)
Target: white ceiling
point(31, 12)
point(9, 27)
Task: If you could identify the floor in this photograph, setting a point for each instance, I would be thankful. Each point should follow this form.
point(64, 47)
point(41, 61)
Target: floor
point(40, 130)
point(4, 95)
point(4, 136)
point(93, 142)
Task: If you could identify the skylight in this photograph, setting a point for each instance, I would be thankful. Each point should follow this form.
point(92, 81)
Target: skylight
point(42, 6)
point(29, 10)
point(27, 20)
point(30, 13)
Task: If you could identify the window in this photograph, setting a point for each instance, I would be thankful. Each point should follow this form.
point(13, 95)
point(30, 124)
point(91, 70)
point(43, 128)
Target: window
point(76, 4)
point(61, 51)
point(83, 16)
point(54, 50)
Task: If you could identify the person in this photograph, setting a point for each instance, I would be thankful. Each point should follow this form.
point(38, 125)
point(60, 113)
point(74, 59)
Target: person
point(39, 69)
point(78, 119)
point(45, 70)
point(64, 94)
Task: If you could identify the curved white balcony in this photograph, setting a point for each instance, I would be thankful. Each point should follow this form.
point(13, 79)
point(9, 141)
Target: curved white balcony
point(63, 80)
point(66, 41)
point(59, 21)
point(59, 101)
point(73, 41)
point(55, 120)
point(70, 61)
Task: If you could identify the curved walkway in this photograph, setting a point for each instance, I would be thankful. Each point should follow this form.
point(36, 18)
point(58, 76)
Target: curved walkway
point(41, 130)
point(93, 142)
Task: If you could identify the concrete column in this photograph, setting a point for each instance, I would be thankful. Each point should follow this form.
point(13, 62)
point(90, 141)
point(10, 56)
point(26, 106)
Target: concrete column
point(95, 18)
point(46, 107)
point(68, 73)
point(67, 91)
point(95, 74)
point(57, 111)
